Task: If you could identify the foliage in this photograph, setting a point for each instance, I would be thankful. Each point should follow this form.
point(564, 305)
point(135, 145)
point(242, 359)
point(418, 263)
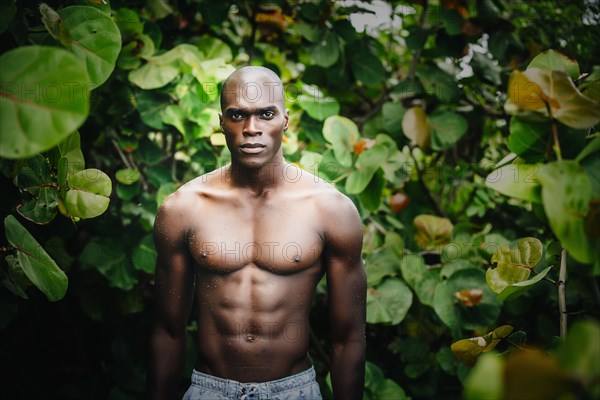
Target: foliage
point(460, 107)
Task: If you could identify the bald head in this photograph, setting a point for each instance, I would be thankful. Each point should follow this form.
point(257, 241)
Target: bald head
point(252, 84)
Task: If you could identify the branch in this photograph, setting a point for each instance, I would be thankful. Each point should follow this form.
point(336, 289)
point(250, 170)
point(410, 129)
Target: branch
point(562, 304)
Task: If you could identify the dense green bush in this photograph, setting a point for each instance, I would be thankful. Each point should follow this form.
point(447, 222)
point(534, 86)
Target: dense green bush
point(467, 143)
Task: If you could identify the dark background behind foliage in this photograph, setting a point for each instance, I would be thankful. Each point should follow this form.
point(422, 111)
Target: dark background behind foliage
point(93, 343)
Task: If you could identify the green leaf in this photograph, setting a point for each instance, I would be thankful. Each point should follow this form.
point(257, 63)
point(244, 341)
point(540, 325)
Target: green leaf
point(485, 67)
point(556, 61)
point(422, 280)
point(380, 264)
point(111, 260)
point(367, 163)
point(580, 353)
point(452, 20)
point(96, 40)
point(144, 255)
point(212, 48)
point(446, 129)
point(319, 108)
point(516, 180)
point(438, 83)
point(453, 266)
point(342, 133)
point(528, 138)
point(416, 38)
point(370, 198)
point(388, 303)
point(566, 195)
point(88, 194)
point(326, 52)
point(388, 389)
point(456, 315)
point(392, 117)
point(128, 176)
point(514, 290)
point(514, 265)
point(367, 67)
point(34, 178)
point(44, 97)
point(38, 266)
point(486, 380)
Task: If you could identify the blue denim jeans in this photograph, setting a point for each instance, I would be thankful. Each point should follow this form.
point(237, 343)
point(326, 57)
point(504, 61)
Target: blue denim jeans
point(300, 386)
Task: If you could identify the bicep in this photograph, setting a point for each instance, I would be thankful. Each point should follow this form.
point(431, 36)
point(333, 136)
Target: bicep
point(174, 277)
point(346, 278)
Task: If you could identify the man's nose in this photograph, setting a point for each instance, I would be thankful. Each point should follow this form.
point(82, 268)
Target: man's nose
point(251, 127)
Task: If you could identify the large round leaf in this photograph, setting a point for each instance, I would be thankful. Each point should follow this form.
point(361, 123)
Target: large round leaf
point(446, 129)
point(456, 315)
point(366, 165)
point(44, 97)
point(39, 267)
point(319, 108)
point(566, 195)
point(88, 194)
point(388, 303)
point(516, 180)
point(327, 51)
point(96, 40)
point(342, 133)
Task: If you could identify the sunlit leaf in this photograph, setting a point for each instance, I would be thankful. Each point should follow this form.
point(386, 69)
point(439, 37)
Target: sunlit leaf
point(342, 133)
point(514, 290)
point(319, 108)
point(367, 163)
point(416, 127)
point(467, 350)
point(95, 40)
point(37, 265)
point(516, 180)
point(44, 97)
point(128, 176)
point(556, 61)
point(88, 194)
point(536, 89)
point(485, 381)
point(514, 264)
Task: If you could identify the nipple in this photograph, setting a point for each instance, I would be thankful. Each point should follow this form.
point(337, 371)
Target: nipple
point(249, 338)
point(204, 254)
point(297, 258)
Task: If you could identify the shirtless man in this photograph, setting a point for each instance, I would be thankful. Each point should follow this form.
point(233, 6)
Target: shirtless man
point(252, 240)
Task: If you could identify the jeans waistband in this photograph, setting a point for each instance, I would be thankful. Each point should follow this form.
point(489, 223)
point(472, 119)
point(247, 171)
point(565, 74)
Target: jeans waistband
point(253, 389)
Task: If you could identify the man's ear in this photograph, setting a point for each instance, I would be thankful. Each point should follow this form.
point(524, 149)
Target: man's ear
point(286, 116)
point(221, 121)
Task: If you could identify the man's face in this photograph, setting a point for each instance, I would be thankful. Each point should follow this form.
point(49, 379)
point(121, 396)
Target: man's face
point(253, 118)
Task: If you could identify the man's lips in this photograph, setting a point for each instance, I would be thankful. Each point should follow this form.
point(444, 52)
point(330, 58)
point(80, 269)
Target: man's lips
point(252, 148)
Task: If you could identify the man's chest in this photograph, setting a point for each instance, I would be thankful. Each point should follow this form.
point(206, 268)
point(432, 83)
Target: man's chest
point(278, 238)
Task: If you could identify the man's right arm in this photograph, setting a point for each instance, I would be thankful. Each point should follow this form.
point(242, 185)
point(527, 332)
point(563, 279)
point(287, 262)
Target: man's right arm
point(174, 286)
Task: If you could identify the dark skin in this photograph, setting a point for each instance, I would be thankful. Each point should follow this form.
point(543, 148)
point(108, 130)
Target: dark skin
point(249, 242)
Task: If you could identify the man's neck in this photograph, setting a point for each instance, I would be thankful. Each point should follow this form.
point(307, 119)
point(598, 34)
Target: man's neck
point(260, 179)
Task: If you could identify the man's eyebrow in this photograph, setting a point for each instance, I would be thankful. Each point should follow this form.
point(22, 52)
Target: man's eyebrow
point(232, 110)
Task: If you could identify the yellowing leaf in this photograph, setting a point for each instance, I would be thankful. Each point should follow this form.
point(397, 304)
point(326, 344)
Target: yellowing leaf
point(537, 89)
point(514, 265)
point(467, 350)
point(469, 297)
point(432, 232)
point(415, 126)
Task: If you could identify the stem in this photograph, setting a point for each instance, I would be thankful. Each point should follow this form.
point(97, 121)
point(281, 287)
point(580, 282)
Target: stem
point(556, 146)
point(562, 305)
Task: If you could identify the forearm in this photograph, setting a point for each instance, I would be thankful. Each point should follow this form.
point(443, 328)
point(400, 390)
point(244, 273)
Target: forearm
point(167, 357)
point(348, 370)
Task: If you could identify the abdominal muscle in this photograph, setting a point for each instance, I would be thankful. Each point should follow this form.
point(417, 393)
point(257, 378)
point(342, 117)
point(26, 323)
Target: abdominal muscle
point(253, 324)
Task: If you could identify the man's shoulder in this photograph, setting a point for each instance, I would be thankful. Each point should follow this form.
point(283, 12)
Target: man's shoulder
point(191, 193)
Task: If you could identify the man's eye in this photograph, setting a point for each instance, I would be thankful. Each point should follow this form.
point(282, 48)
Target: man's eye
point(268, 114)
point(237, 116)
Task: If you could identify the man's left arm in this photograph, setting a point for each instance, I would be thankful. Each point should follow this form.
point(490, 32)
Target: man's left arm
point(346, 283)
